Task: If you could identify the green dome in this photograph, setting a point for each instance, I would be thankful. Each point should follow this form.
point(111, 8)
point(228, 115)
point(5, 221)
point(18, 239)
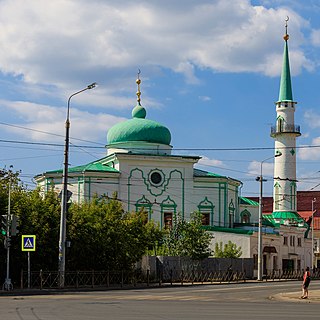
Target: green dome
point(139, 129)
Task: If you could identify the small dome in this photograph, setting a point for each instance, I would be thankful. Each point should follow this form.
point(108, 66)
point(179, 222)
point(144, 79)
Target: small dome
point(139, 129)
point(139, 112)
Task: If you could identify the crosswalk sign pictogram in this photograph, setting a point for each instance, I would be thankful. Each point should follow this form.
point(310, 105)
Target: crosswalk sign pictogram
point(28, 243)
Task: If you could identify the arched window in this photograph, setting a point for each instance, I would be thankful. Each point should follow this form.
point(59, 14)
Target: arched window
point(206, 209)
point(277, 196)
point(168, 209)
point(146, 204)
point(245, 216)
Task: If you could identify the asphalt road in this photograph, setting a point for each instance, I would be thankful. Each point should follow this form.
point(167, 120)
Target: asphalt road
point(233, 301)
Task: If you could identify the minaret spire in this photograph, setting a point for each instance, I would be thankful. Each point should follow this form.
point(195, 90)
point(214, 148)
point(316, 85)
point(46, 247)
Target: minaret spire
point(285, 133)
point(285, 93)
point(138, 81)
point(139, 111)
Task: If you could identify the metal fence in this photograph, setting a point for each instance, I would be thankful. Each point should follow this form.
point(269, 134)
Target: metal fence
point(82, 279)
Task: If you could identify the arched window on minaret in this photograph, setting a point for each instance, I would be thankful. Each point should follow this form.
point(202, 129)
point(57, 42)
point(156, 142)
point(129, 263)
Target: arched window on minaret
point(280, 124)
point(277, 196)
point(293, 190)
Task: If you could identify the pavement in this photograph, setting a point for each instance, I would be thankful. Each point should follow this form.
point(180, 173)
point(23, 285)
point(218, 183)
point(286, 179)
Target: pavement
point(314, 297)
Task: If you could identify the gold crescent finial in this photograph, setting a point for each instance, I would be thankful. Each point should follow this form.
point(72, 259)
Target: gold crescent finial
point(138, 81)
point(286, 36)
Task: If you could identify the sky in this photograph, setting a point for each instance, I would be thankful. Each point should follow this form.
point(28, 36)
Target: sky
point(210, 72)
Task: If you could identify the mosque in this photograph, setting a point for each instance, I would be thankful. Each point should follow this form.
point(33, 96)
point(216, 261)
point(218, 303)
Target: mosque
point(140, 169)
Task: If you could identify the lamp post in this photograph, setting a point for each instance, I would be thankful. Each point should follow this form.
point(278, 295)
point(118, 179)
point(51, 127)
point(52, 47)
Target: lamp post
point(64, 194)
point(261, 180)
point(8, 284)
point(312, 229)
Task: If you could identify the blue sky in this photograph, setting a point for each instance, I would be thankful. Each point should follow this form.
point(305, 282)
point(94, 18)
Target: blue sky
point(210, 72)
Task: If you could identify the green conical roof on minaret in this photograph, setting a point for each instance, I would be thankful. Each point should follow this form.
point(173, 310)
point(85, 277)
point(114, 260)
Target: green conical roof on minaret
point(285, 93)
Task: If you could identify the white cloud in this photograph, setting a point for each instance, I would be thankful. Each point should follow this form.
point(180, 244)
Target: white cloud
point(312, 119)
point(46, 42)
point(315, 38)
point(310, 153)
point(204, 98)
point(44, 118)
point(205, 161)
point(255, 167)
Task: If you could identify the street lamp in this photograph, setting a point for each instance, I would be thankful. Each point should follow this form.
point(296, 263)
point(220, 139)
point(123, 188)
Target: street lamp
point(261, 180)
point(64, 194)
point(312, 235)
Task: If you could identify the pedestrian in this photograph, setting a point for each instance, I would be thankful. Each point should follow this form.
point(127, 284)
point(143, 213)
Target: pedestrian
point(305, 284)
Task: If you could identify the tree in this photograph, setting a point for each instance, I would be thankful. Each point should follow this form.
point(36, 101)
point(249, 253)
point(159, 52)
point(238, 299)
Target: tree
point(187, 238)
point(104, 237)
point(229, 250)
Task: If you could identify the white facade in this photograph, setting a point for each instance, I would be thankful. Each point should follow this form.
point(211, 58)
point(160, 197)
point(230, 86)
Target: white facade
point(163, 185)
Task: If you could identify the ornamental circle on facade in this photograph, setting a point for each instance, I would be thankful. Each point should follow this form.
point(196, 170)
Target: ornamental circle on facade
point(156, 177)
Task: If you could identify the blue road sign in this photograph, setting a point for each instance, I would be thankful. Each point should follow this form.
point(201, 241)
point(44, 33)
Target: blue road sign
point(28, 243)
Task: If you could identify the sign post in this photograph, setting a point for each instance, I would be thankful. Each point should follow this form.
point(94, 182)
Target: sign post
point(28, 244)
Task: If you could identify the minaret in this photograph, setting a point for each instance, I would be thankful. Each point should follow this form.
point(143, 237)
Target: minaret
point(285, 133)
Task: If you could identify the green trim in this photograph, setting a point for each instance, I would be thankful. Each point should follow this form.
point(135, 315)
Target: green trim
point(227, 230)
point(247, 201)
point(161, 189)
point(143, 202)
point(95, 166)
point(89, 189)
point(202, 173)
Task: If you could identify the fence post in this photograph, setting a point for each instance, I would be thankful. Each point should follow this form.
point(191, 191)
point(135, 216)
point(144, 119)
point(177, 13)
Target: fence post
point(77, 279)
point(148, 277)
point(41, 279)
point(108, 278)
point(121, 278)
point(181, 277)
point(92, 279)
point(171, 276)
point(21, 279)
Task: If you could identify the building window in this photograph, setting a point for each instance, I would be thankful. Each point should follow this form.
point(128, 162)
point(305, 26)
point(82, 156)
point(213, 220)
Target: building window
point(285, 240)
point(255, 262)
point(168, 209)
point(205, 219)
point(299, 242)
point(245, 216)
point(275, 262)
point(206, 209)
point(145, 204)
point(167, 219)
point(292, 241)
point(156, 177)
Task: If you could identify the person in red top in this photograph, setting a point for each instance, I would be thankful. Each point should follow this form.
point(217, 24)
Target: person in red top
point(305, 284)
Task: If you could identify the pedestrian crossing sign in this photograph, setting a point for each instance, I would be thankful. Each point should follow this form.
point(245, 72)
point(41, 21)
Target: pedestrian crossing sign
point(28, 243)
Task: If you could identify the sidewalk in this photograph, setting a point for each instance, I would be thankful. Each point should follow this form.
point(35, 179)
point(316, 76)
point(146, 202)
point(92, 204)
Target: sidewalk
point(314, 297)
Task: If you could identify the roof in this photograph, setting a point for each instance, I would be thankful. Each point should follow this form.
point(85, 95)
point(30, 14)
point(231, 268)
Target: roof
point(285, 93)
point(139, 129)
point(90, 167)
point(202, 173)
point(304, 204)
point(291, 216)
point(247, 201)
point(228, 230)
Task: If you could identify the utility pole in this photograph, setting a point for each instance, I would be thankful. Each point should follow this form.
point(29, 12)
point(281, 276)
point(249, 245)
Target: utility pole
point(7, 284)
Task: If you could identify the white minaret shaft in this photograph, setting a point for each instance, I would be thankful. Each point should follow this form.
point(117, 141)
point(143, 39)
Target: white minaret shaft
point(285, 133)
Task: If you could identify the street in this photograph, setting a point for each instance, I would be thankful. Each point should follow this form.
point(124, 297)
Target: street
point(233, 301)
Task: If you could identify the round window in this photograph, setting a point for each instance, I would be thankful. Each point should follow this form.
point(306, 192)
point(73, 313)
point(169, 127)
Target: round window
point(156, 178)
